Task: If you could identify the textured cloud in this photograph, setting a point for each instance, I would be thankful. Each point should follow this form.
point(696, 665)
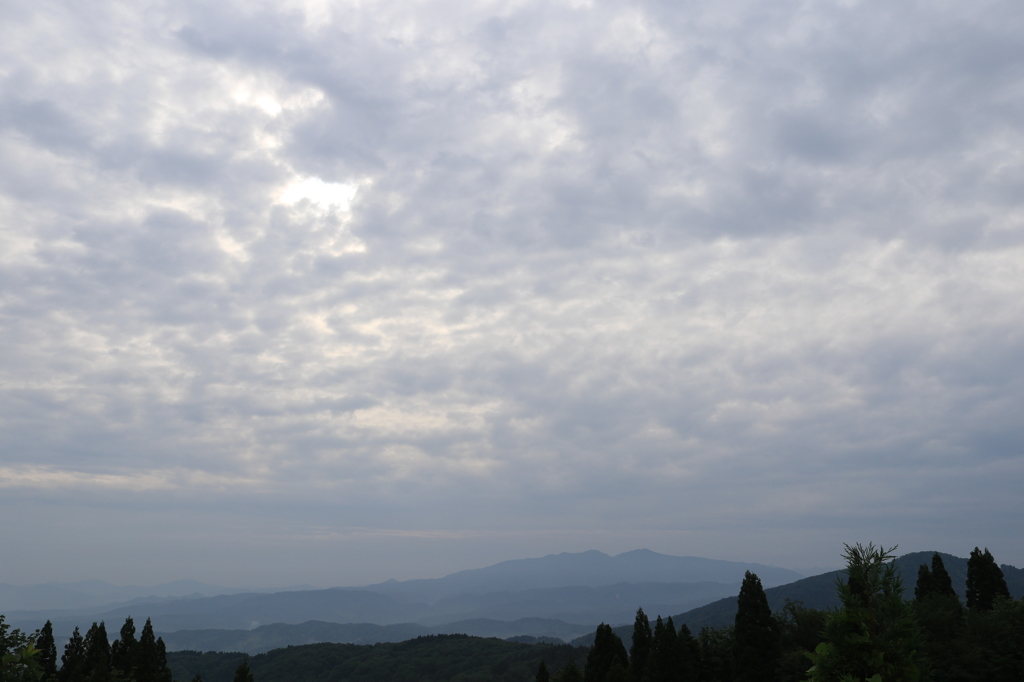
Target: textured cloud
point(715, 278)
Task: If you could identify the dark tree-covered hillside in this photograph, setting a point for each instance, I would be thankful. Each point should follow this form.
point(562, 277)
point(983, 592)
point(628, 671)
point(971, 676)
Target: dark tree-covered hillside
point(425, 659)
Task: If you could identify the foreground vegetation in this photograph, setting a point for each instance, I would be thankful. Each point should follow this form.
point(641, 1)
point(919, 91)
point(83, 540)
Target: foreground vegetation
point(876, 635)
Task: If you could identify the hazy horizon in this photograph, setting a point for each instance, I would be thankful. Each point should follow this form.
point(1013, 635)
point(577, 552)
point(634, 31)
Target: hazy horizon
point(304, 291)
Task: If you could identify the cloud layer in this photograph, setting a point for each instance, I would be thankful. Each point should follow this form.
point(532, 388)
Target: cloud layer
point(431, 285)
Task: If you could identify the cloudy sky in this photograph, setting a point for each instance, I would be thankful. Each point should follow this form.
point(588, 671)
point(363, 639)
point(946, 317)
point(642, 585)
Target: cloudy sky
point(333, 292)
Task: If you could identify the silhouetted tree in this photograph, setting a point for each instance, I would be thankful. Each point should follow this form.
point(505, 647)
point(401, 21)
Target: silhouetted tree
point(606, 652)
point(97, 654)
point(663, 661)
point(542, 673)
point(756, 649)
point(641, 645)
point(941, 582)
point(72, 662)
point(925, 586)
point(243, 674)
point(985, 581)
point(689, 654)
point(124, 651)
point(47, 652)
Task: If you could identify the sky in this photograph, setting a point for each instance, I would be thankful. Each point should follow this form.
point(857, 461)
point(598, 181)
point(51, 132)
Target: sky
point(336, 292)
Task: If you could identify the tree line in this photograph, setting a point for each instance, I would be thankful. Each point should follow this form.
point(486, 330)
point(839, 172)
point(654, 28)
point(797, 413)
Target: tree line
point(875, 635)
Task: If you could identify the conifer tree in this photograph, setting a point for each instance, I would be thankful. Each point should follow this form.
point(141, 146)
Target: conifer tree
point(985, 581)
point(123, 651)
point(242, 673)
point(663, 662)
point(147, 664)
point(163, 671)
point(875, 634)
point(72, 662)
point(607, 651)
point(97, 654)
point(925, 586)
point(542, 673)
point(757, 648)
point(47, 652)
point(641, 648)
point(689, 654)
point(941, 582)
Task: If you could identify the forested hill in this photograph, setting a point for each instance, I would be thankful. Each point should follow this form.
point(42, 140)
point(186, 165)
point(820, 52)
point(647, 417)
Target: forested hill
point(425, 659)
point(819, 591)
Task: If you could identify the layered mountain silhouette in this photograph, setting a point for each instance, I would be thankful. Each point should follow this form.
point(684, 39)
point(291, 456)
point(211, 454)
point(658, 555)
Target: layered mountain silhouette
point(559, 595)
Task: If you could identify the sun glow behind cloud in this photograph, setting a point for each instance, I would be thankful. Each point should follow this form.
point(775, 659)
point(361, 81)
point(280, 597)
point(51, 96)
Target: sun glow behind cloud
point(626, 270)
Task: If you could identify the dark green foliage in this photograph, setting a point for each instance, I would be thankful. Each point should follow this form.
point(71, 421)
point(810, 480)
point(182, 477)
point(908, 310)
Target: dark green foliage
point(800, 630)
point(985, 581)
point(425, 659)
point(642, 641)
point(992, 647)
point(97, 654)
point(756, 648)
point(934, 581)
point(72, 662)
point(47, 646)
point(197, 678)
point(925, 586)
point(942, 622)
point(607, 652)
point(942, 584)
point(874, 636)
point(689, 654)
point(716, 647)
point(570, 673)
point(542, 673)
point(19, 658)
point(663, 662)
point(124, 651)
point(242, 673)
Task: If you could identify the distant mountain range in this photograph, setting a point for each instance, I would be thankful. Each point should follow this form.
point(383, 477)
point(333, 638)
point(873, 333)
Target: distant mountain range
point(88, 594)
point(561, 593)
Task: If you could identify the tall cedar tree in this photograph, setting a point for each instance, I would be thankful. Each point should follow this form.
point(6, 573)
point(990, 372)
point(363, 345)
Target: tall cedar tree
point(607, 653)
point(663, 661)
point(689, 654)
point(243, 674)
point(641, 648)
point(756, 650)
point(72, 662)
point(542, 673)
point(875, 632)
point(941, 582)
point(934, 581)
point(124, 650)
point(985, 581)
point(47, 646)
point(97, 654)
point(925, 586)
